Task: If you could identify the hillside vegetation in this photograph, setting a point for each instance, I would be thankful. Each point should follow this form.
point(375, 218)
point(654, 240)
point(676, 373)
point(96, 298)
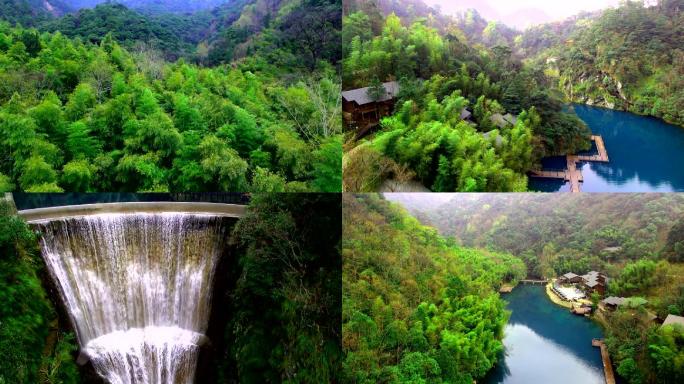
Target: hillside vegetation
point(628, 58)
point(33, 347)
point(556, 233)
point(417, 307)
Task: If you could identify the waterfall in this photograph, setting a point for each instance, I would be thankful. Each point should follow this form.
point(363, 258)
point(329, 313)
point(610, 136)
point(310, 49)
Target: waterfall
point(138, 289)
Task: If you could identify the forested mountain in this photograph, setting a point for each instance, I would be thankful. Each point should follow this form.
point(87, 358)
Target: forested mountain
point(166, 6)
point(470, 24)
point(289, 33)
point(31, 12)
point(129, 28)
point(557, 233)
point(417, 307)
point(89, 113)
point(440, 73)
point(629, 58)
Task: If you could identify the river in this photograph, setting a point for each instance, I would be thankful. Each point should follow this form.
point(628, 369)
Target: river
point(645, 155)
point(545, 343)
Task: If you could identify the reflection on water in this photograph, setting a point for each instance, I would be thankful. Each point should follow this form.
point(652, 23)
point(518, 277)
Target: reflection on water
point(645, 154)
point(546, 343)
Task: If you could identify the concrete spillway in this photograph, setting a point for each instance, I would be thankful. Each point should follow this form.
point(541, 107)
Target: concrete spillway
point(137, 281)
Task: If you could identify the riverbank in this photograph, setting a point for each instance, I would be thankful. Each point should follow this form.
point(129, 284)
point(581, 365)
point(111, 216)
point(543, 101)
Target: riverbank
point(606, 105)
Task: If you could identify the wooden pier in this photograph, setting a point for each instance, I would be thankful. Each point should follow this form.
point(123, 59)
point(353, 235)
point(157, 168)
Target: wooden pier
point(572, 174)
point(607, 365)
point(601, 156)
point(534, 282)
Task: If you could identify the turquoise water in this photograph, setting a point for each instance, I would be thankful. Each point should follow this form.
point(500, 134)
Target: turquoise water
point(545, 343)
point(646, 155)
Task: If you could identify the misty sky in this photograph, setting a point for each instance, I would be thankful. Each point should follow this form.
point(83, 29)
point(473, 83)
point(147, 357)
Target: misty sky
point(522, 13)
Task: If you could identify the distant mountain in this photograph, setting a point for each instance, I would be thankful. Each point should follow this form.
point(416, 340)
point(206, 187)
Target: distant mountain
point(31, 12)
point(172, 6)
point(127, 27)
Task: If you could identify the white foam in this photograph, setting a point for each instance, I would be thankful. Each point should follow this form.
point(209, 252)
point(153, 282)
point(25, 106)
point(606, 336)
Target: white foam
point(138, 289)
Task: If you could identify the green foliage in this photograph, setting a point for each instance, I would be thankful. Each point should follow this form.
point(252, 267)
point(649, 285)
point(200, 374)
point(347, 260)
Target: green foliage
point(449, 154)
point(78, 176)
point(61, 366)
point(417, 308)
point(328, 166)
point(26, 312)
point(286, 305)
point(24, 12)
point(87, 117)
point(666, 351)
point(674, 249)
point(599, 232)
point(645, 353)
point(376, 90)
point(121, 24)
point(6, 184)
point(636, 277)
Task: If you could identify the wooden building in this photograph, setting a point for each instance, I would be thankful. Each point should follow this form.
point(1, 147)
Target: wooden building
point(362, 113)
point(591, 282)
point(611, 303)
point(594, 282)
point(570, 278)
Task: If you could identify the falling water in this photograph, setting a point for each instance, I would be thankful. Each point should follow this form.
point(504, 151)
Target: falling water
point(138, 289)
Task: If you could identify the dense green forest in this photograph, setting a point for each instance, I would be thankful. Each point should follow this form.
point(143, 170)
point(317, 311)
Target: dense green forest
point(130, 28)
point(276, 319)
point(555, 233)
point(106, 111)
point(175, 6)
point(285, 308)
point(417, 308)
point(637, 239)
point(28, 12)
point(442, 70)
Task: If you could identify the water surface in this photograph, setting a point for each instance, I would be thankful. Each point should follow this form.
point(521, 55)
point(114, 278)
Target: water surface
point(545, 343)
point(646, 155)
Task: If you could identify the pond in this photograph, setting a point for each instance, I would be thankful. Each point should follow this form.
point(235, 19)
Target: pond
point(645, 154)
point(545, 343)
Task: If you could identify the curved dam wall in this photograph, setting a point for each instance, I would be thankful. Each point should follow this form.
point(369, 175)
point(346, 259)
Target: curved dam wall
point(137, 281)
point(53, 213)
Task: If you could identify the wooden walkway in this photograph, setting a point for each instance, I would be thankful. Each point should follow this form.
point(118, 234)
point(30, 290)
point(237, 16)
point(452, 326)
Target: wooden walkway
point(601, 156)
point(572, 174)
point(607, 365)
point(528, 281)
